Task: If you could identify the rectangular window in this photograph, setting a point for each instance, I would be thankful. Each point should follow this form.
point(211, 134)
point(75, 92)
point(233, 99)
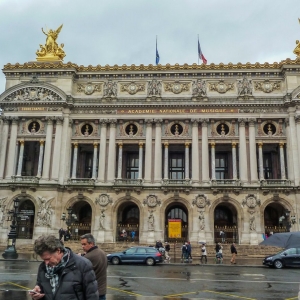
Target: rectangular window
point(268, 165)
point(176, 163)
point(132, 165)
point(221, 166)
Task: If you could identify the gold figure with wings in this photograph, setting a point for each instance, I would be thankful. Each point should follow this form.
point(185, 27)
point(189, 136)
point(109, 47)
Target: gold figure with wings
point(297, 48)
point(51, 51)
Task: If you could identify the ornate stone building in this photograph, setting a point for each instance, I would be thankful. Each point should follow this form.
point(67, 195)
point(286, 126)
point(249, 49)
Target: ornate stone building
point(130, 147)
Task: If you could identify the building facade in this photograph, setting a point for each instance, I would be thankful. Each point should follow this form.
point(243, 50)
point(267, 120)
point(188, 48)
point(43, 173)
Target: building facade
point(216, 147)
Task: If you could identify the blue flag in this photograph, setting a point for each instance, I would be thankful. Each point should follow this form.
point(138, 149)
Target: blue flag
point(157, 55)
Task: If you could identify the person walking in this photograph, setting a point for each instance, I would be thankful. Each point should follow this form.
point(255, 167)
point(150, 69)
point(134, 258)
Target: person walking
point(220, 253)
point(62, 275)
point(61, 233)
point(233, 253)
point(203, 254)
point(98, 259)
point(132, 235)
point(167, 249)
point(189, 250)
point(184, 252)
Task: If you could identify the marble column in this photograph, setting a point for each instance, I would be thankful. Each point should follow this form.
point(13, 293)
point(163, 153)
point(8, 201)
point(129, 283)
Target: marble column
point(158, 151)
point(282, 161)
point(213, 161)
point(166, 161)
point(195, 152)
point(290, 163)
point(102, 150)
point(95, 160)
point(234, 166)
point(111, 169)
point(48, 149)
point(75, 158)
point(297, 120)
point(252, 151)
point(294, 153)
point(3, 146)
point(148, 151)
point(20, 161)
point(120, 160)
point(10, 171)
point(141, 160)
point(41, 154)
point(205, 152)
point(260, 161)
point(243, 162)
point(57, 149)
point(187, 161)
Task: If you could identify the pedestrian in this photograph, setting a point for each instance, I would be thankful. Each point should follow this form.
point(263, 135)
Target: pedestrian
point(217, 249)
point(158, 245)
point(189, 250)
point(184, 252)
point(233, 253)
point(124, 235)
point(132, 235)
point(220, 253)
point(62, 275)
point(98, 259)
point(67, 234)
point(222, 234)
point(203, 254)
point(61, 233)
point(167, 249)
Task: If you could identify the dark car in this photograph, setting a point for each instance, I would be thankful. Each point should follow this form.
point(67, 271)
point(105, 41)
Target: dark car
point(147, 255)
point(285, 258)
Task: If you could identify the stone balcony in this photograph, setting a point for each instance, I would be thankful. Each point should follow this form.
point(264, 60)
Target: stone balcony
point(128, 182)
point(275, 183)
point(81, 181)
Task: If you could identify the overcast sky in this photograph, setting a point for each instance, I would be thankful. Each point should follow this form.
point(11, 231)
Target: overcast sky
point(123, 31)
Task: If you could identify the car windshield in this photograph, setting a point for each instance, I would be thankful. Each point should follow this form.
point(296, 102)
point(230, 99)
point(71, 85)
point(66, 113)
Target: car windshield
point(290, 251)
point(130, 250)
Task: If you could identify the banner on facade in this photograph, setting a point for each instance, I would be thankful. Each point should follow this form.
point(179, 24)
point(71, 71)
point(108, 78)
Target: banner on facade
point(174, 228)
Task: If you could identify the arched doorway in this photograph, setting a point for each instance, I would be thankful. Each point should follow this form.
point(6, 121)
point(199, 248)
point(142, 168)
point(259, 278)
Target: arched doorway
point(272, 214)
point(25, 219)
point(83, 211)
point(128, 222)
point(225, 219)
point(176, 213)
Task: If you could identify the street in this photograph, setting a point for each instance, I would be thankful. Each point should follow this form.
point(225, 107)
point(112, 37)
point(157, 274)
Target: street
point(170, 281)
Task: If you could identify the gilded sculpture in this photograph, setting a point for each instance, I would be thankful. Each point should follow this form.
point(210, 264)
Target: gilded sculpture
point(51, 51)
point(297, 48)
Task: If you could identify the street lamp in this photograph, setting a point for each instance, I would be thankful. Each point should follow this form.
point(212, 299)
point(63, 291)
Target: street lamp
point(11, 252)
point(287, 219)
point(70, 218)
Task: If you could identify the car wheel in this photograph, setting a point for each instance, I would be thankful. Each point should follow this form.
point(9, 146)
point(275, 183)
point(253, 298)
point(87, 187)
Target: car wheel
point(115, 260)
point(278, 264)
point(150, 261)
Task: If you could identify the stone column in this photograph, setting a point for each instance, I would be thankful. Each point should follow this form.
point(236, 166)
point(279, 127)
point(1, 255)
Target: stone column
point(20, 161)
point(213, 161)
point(75, 156)
point(3, 146)
point(120, 160)
point(166, 161)
point(102, 150)
point(48, 149)
point(282, 161)
point(294, 153)
point(158, 151)
point(260, 161)
point(141, 160)
point(195, 152)
point(252, 150)
point(243, 165)
point(57, 149)
point(205, 153)
point(12, 148)
point(148, 152)
point(234, 169)
point(41, 154)
point(290, 163)
point(187, 161)
point(95, 157)
point(297, 119)
point(111, 169)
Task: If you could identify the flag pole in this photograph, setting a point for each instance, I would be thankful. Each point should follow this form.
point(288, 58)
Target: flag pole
point(198, 53)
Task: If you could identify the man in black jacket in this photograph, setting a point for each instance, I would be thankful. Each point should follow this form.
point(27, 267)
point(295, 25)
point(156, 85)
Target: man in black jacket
point(63, 274)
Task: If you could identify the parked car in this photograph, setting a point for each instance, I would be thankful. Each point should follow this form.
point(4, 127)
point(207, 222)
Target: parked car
point(285, 258)
point(147, 255)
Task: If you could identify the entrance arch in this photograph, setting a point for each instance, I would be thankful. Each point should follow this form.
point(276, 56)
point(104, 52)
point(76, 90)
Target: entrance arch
point(226, 220)
point(128, 221)
point(272, 213)
point(177, 211)
point(25, 219)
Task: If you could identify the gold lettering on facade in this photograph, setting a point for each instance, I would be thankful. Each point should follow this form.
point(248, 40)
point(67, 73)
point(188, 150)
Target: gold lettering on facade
point(177, 111)
point(32, 108)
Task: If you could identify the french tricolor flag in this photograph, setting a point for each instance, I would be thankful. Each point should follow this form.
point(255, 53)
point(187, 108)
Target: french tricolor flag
point(200, 54)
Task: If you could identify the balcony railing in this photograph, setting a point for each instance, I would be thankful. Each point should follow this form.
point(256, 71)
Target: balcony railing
point(81, 181)
point(25, 179)
point(275, 182)
point(168, 182)
point(226, 182)
point(138, 182)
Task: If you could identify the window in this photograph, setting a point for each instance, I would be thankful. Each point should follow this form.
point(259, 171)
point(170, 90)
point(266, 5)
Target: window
point(268, 168)
point(176, 166)
point(141, 251)
point(221, 167)
point(132, 165)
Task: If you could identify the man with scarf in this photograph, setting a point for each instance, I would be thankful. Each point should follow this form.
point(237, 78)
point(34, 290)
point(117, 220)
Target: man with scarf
point(63, 274)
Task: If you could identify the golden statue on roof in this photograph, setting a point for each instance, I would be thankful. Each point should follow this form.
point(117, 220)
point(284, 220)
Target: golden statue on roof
point(297, 49)
point(51, 51)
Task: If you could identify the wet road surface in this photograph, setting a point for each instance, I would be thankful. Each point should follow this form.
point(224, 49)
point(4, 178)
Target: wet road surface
point(171, 281)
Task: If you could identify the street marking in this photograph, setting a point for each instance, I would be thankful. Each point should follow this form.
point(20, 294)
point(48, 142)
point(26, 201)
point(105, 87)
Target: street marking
point(230, 295)
point(295, 298)
point(126, 292)
point(174, 295)
point(21, 286)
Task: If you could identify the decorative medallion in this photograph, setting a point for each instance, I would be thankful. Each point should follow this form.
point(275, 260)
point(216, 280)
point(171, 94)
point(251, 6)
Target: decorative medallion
point(251, 201)
point(89, 88)
point(132, 88)
point(177, 87)
point(131, 130)
point(267, 86)
point(269, 129)
point(221, 87)
point(152, 201)
point(201, 201)
point(86, 130)
point(103, 200)
point(34, 127)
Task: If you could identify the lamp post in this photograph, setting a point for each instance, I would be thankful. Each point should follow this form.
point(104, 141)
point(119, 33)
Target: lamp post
point(11, 252)
point(70, 218)
point(287, 219)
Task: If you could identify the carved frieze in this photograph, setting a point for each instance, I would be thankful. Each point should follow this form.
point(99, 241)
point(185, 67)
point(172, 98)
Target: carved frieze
point(132, 87)
point(45, 211)
point(110, 89)
point(221, 87)
point(199, 88)
point(251, 201)
point(88, 88)
point(245, 87)
point(267, 86)
point(152, 201)
point(176, 87)
point(154, 88)
point(103, 200)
